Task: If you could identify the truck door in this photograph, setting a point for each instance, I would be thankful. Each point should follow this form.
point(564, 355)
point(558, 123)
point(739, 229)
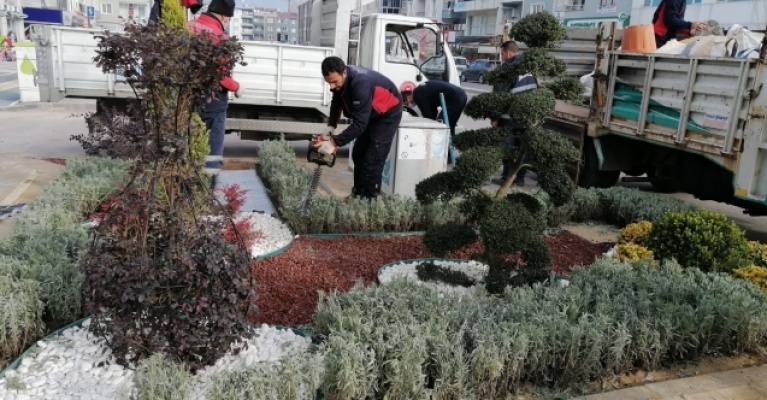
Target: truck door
point(412, 54)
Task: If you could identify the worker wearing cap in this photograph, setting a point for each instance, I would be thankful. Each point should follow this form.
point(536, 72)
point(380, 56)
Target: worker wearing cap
point(213, 109)
point(426, 98)
point(374, 104)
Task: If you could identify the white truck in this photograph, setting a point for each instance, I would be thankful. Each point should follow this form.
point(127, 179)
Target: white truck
point(694, 124)
point(285, 92)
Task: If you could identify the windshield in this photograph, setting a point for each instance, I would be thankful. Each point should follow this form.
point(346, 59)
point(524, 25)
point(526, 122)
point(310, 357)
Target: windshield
point(410, 44)
point(460, 61)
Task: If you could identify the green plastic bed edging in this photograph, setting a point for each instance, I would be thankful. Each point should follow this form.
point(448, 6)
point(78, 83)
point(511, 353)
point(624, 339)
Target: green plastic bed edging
point(382, 234)
point(275, 252)
point(15, 364)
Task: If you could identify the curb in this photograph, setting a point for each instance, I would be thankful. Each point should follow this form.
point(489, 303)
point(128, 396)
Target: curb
point(78, 105)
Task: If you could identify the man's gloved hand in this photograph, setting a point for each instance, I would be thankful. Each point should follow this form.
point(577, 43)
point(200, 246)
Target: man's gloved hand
point(327, 133)
point(238, 92)
point(325, 145)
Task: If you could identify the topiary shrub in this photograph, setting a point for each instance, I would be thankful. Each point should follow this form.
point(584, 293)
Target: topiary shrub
point(512, 249)
point(159, 274)
point(703, 239)
point(430, 272)
point(637, 232)
point(567, 88)
point(445, 238)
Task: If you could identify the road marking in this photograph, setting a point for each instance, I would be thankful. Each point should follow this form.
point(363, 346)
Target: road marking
point(9, 85)
point(19, 189)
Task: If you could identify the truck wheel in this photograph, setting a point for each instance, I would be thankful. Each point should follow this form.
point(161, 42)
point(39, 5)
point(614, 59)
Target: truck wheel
point(481, 79)
point(591, 176)
point(463, 77)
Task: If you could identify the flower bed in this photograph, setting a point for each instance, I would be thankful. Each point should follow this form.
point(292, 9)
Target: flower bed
point(288, 283)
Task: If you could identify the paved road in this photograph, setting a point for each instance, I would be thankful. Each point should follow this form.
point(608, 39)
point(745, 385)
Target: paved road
point(9, 89)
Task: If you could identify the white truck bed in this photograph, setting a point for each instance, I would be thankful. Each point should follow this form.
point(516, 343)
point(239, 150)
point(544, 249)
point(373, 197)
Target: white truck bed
point(276, 74)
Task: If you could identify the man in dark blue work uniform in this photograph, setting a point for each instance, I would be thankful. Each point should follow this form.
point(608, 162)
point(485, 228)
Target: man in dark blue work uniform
point(374, 104)
point(520, 84)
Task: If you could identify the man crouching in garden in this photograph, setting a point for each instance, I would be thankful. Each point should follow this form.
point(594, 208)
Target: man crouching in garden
point(374, 104)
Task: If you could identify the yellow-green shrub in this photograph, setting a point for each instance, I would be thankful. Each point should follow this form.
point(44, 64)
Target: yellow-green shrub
point(637, 232)
point(758, 253)
point(700, 239)
point(754, 274)
point(631, 251)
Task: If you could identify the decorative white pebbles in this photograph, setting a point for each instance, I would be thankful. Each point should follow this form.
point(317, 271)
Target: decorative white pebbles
point(78, 366)
point(407, 270)
point(274, 233)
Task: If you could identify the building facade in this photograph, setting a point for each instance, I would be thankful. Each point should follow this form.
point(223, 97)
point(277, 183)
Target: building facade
point(101, 14)
point(752, 14)
point(268, 24)
point(584, 13)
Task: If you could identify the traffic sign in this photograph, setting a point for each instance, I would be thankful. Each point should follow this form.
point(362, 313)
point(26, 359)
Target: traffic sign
point(91, 11)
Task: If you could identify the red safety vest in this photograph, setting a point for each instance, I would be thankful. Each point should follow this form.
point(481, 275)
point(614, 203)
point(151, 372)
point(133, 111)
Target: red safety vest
point(660, 25)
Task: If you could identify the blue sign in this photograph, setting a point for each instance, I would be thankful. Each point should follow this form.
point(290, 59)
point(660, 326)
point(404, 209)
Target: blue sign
point(42, 16)
point(91, 11)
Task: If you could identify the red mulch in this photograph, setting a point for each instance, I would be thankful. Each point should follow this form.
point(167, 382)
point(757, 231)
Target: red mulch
point(59, 161)
point(288, 284)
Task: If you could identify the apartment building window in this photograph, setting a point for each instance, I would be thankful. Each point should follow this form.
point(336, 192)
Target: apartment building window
point(606, 3)
point(537, 7)
point(574, 5)
point(390, 6)
point(106, 8)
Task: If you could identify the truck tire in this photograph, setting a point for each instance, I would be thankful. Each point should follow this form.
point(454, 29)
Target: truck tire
point(481, 78)
point(463, 77)
point(591, 176)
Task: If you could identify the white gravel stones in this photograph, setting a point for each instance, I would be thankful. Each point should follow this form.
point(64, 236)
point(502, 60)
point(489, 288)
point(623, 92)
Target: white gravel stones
point(275, 233)
point(76, 365)
point(407, 270)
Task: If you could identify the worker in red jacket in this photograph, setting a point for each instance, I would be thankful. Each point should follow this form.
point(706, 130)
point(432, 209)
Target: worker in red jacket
point(213, 109)
point(668, 20)
point(374, 104)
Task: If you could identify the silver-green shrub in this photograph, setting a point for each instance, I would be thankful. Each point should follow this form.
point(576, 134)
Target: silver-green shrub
point(21, 313)
point(612, 318)
point(288, 185)
point(295, 377)
point(160, 378)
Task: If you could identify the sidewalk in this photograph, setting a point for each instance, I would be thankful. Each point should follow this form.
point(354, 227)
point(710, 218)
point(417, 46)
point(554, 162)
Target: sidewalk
point(739, 384)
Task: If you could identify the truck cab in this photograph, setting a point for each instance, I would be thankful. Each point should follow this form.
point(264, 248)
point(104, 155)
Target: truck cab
point(400, 47)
